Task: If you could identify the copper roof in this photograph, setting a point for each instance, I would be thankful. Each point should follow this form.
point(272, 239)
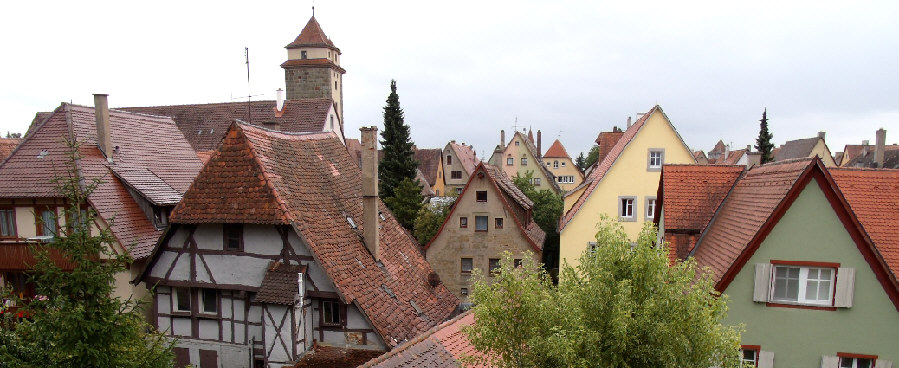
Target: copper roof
point(204, 125)
point(442, 346)
point(312, 35)
point(556, 151)
point(310, 182)
point(150, 145)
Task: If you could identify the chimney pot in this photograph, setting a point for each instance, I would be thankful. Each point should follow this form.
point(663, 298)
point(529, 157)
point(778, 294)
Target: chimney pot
point(880, 147)
point(279, 103)
point(748, 148)
point(821, 134)
point(370, 190)
point(101, 115)
point(628, 121)
point(866, 142)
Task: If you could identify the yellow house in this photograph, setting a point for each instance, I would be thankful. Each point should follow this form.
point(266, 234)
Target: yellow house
point(520, 156)
point(624, 184)
point(557, 161)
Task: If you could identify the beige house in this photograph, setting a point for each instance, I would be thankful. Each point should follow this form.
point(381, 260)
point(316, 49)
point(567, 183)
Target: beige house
point(520, 157)
point(459, 161)
point(490, 217)
point(558, 162)
point(807, 147)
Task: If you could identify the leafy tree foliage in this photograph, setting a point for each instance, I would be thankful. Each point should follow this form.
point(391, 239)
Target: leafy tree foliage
point(623, 306)
point(429, 220)
point(592, 156)
point(76, 322)
point(13, 135)
point(547, 210)
point(405, 202)
point(399, 158)
point(763, 143)
point(580, 162)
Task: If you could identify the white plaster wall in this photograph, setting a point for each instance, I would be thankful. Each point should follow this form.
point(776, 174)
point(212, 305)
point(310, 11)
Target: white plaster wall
point(209, 329)
point(209, 236)
point(235, 269)
point(260, 239)
point(229, 355)
point(272, 319)
point(181, 327)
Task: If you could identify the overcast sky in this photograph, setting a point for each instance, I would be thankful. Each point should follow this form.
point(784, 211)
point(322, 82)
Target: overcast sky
point(465, 70)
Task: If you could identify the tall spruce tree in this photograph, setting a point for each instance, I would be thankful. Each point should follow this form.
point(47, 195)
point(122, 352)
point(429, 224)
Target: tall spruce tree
point(399, 159)
point(763, 142)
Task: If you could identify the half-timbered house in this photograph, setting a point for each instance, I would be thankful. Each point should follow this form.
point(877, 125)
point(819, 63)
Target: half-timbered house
point(272, 252)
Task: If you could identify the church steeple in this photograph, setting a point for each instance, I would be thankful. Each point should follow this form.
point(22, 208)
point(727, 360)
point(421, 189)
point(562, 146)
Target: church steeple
point(312, 69)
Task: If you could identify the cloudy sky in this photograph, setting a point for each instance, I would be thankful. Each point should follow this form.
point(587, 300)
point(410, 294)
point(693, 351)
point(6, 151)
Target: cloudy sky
point(466, 69)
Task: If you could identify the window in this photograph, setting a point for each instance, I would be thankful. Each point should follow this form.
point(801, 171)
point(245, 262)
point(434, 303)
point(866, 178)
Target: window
point(563, 163)
point(482, 196)
point(749, 354)
point(656, 158)
point(480, 223)
point(591, 247)
point(8, 222)
point(852, 360)
point(510, 161)
point(493, 265)
point(463, 222)
point(516, 143)
point(650, 208)
point(209, 301)
point(181, 299)
point(464, 291)
point(815, 285)
point(303, 54)
point(566, 179)
point(233, 234)
point(626, 208)
point(847, 362)
point(803, 285)
point(160, 217)
point(456, 174)
point(449, 160)
point(498, 223)
point(555, 164)
point(516, 262)
point(331, 313)
point(536, 182)
point(46, 222)
point(467, 265)
point(524, 161)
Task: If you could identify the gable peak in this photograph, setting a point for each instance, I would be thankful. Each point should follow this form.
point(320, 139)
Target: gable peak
point(312, 35)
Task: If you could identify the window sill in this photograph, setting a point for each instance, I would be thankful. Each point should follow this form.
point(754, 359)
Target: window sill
point(627, 219)
point(800, 306)
point(480, 231)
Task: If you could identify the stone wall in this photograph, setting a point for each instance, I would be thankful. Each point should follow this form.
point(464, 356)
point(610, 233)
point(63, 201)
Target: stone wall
point(308, 83)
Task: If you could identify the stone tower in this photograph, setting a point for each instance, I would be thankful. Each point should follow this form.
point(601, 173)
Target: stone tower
point(312, 69)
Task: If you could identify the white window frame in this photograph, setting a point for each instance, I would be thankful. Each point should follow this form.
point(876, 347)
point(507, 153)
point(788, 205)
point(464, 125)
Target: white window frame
point(202, 298)
point(175, 299)
point(510, 161)
point(853, 362)
point(653, 164)
point(649, 208)
point(537, 182)
point(524, 161)
point(840, 291)
point(626, 210)
point(555, 164)
point(804, 280)
point(477, 223)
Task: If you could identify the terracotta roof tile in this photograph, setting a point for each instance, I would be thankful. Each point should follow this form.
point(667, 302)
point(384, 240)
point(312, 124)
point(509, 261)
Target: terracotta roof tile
point(317, 185)
point(746, 209)
point(692, 193)
point(148, 184)
point(429, 162)
point(442, 346)
point(556, 150)
point(873, 195)
point(280, 284)
point(204, 125)
point(851, 151)
point(312, 35)
point(466, 156)
point(7, 145)
point(607, 141)
point(335, 357)
point(866, 159)
point(732, 157)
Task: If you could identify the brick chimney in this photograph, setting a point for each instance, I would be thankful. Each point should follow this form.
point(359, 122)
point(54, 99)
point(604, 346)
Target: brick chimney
point(880, 143)
point(539, 150)
point(502, 139)
point(370, 190)
point(101, 113)
point(821, 134)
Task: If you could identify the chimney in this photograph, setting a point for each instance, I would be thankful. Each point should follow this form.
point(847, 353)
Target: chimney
point(628, 121)
point(879, 147)
point(272, 125)
point(502, 139)
point(101, 113)
point(539, 137)
point(748, 148)
point(821, 134)
point(279, 103)
point(370, 190)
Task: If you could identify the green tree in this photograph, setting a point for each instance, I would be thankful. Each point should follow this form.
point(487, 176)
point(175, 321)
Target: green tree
point(399, 158)
point(76, 321)
point(430, 218)
point(623, 306)
point(763, 143)
point(547, 210)
point(592, 156)
point(406, 202)
point(13, 135)
point(580, 162)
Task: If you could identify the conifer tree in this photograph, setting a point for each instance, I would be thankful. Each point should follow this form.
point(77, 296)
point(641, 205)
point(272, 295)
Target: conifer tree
point(399, 160)
point(763, 142)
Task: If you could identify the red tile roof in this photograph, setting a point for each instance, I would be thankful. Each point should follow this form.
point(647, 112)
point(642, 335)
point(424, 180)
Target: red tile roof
point(280, 284)
point(873, 195)
point(732, 157)
point(442, 346)
point(556, 151)
point(335, 357)
point(607, 141)
point(466, 155)
point(7, 145)
point(312, 35)
point(750, 205)
point(851, 151)
point(429, 162)
point(148, 144)
point(310, 182)
point(204, 125)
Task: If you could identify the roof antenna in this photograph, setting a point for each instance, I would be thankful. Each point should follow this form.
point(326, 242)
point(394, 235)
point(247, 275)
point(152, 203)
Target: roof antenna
point(313, 9)
point(246, 54)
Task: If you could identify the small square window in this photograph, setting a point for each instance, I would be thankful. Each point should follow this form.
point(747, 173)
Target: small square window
point(449, 160)
point(467, 265)
point(656, 159)
point(516, 263)
point(563, 163)
point(482, 196)
point(626, 208)
point(233, 236)
point(498, 223)
point(480, 223)
point(209, 301)
point(749, 354)
point(464, 291)
point(493, 265)
point(331, 313)
point(524, 161)
point(516, 143)
point(456, 174)
point(510, 161)
point(181, 296)
point(537, 182)
point(463, 222)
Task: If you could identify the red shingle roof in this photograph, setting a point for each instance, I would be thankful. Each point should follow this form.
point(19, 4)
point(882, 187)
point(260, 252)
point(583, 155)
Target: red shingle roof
point(607, 141)
point(7, 145)
point(281, 284)
point(852, 151)
point(466, 156)
point(312, 35)
point(311, 182)
point(204, 125)
point(148, 144)
point(556, 151)
point(442, 346)
point(429, 162)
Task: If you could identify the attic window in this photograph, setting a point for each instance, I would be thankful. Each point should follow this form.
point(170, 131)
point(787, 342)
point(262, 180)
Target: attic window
point(351, 222)
point(303, 54)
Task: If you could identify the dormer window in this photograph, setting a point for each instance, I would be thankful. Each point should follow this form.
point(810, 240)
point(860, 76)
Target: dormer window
point(160, 217)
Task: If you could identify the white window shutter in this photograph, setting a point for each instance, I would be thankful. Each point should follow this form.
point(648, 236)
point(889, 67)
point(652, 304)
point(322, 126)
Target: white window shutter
point(762, 282)
point(880, 363)
point(845, 287)
point(766, 359)
point(830, 361)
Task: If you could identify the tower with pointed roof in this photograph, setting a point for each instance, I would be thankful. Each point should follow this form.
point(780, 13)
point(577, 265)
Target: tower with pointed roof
point(312, 69)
